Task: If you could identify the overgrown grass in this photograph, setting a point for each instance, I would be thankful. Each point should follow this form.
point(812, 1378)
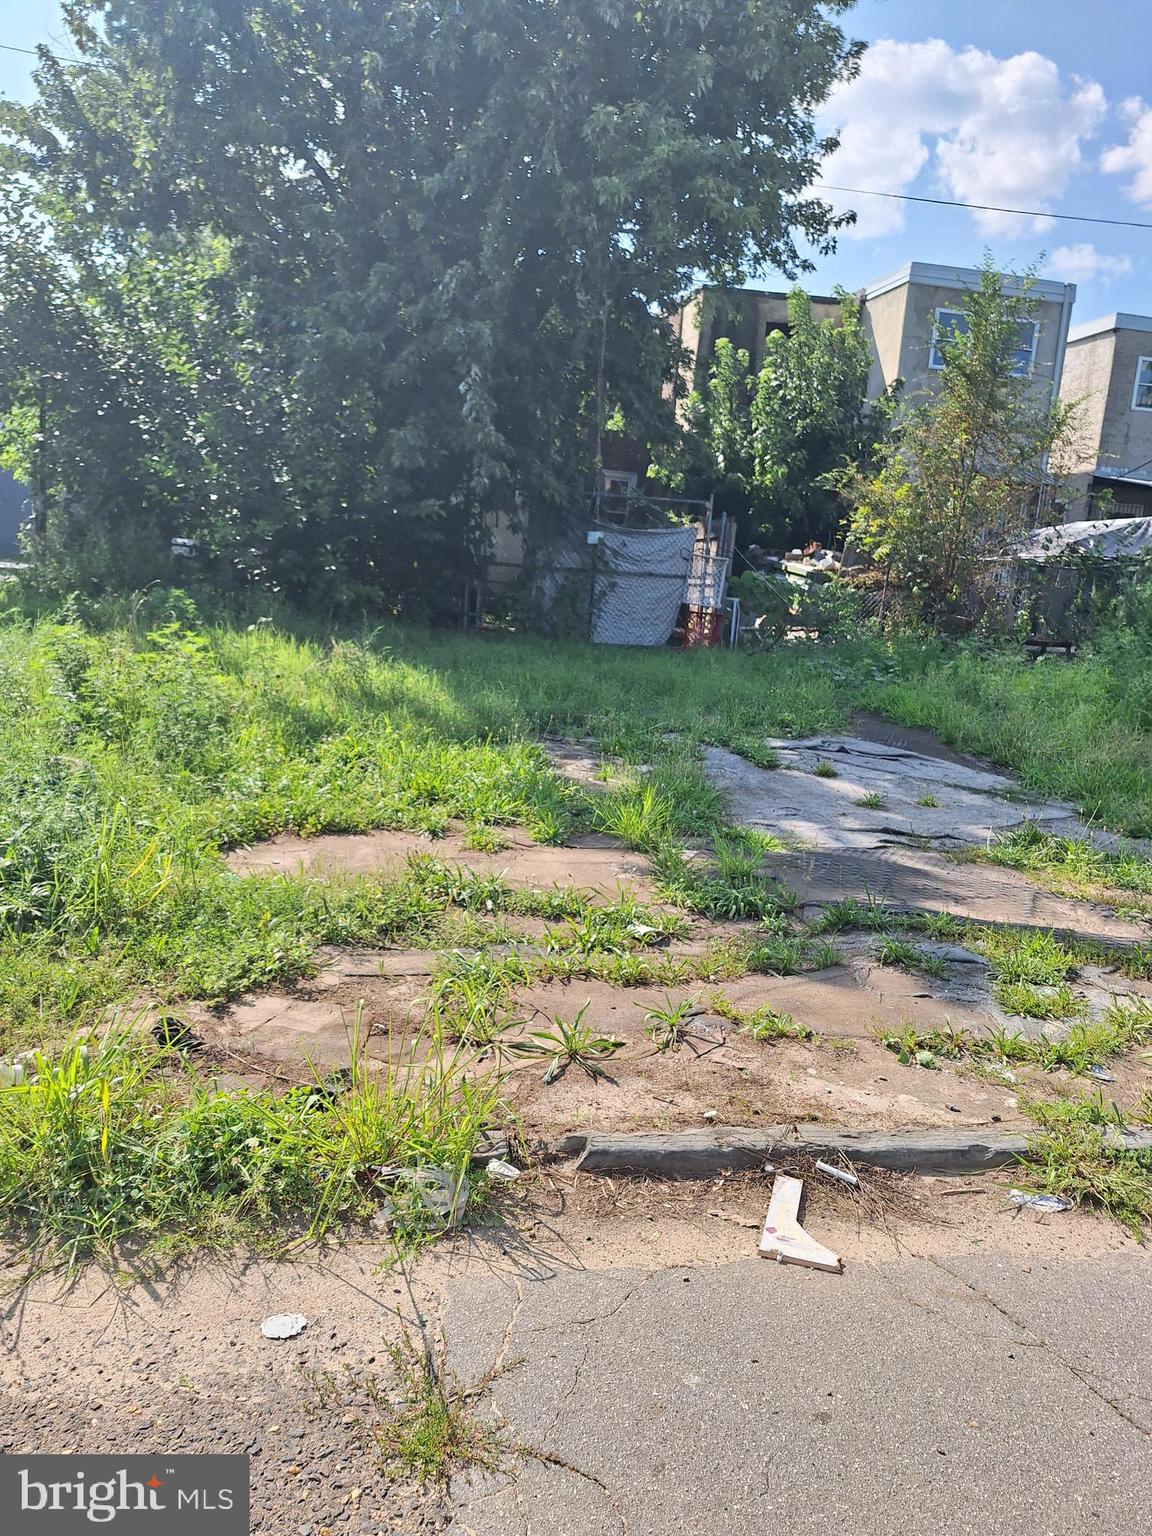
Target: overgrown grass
point(1073, 866)
point(1074, 1153)
point(134, 756)
point(1078, 731)
point(102, 1144)
point(733, 887)
point(1122, 1027)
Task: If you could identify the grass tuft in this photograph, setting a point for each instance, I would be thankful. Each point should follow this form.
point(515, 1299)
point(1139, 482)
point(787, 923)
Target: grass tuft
point(909, 957)
point(1073, 1153)
point(764, 1024)
point(105, 1142)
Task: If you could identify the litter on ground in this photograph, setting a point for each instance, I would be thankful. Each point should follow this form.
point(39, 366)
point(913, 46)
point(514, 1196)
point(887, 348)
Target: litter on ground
point(784, 1239)
point(1047, 1203)
point(502, 1171)
point(283, 1325)
point(843, 1175)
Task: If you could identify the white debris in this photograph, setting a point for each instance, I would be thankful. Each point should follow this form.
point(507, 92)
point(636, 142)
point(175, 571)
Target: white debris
point(503, 1171)
point(283, 1325)
point(845, 1175)
point(1047, 1203)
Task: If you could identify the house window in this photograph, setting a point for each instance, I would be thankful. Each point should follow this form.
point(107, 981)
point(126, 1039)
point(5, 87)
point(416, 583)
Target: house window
point(954, 322)
point(1142, 393)
point(618, 482)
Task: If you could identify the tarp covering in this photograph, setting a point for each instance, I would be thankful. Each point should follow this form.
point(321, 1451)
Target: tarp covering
point(627, 585)
point(641, 584)
point(1111, 538)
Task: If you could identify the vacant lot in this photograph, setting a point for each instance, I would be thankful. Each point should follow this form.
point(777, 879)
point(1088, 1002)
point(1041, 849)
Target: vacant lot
point(138, 764)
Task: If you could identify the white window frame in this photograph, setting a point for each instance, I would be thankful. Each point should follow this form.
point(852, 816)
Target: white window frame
point(934, 352)
point(629, 476)
point(1140, 363)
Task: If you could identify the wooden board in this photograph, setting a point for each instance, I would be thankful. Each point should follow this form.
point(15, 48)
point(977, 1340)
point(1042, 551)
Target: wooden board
point(784, 1239)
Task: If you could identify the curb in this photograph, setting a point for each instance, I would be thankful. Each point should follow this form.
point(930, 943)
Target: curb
point(704, 1154)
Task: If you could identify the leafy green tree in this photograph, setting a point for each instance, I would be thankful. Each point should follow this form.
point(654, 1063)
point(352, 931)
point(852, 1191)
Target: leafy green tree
point(811, 418)
point(713, 454)
point(961, 473)
point(771, 447)
point(443, 239)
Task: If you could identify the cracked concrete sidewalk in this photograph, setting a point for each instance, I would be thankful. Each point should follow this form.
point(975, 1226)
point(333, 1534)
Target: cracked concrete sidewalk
point(988, 1373)
point(980, 1391)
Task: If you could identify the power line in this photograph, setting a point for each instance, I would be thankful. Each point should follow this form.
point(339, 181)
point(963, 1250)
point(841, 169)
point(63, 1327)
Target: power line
point(59, 58)
point(903, 197)
point(946, 202)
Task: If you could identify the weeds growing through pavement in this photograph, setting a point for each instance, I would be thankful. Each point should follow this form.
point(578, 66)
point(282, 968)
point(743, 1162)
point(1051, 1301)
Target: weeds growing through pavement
point(840, 916)
point(734, 888)
point(568, 1043)
point(909, 957)
point(422, 1424)
point(1030, 1001)
point(1074, 1153)
point(1122, 1027)
point(1074, 866)
point(787, 954)
point(764, 1023)
point(484, 839)
point(665, 1027)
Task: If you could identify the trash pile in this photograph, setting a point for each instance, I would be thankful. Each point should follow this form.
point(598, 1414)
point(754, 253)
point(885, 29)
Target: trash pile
point(812, 561)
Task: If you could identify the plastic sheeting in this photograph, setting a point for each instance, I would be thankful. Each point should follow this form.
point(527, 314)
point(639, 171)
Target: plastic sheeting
point(641, 580)
point(1112, 538)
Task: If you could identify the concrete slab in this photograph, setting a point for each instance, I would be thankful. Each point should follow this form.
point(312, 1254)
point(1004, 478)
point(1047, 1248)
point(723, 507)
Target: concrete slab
point(995, 1394)
point(595, 864)
point(925, 880)
point(798, 805)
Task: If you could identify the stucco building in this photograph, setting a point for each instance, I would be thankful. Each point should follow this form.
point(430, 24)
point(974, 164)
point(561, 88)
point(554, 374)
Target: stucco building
point(907, 313)
point(1108, 370)
point(744, 316)
point(904, 314)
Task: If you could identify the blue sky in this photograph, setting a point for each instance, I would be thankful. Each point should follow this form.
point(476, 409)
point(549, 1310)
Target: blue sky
point(1033, 103)
point(1020, 103)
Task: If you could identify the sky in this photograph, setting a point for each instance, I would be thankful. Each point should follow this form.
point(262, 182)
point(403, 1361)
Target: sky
point(1037, 104)
point(1031, 104)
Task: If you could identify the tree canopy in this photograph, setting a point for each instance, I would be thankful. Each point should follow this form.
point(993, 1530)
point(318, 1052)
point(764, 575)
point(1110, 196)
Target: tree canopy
point(771, 445)
point(322, 283)
point(961, 472)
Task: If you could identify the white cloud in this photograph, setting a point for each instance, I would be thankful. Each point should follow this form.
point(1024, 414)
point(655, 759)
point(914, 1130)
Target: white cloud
point(1084, 263)
point(1135, 157)
point(1005, 131)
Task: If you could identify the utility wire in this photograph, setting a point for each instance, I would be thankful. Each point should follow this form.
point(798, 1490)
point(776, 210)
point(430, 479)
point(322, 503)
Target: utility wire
point(946, 202)
point(59, 58)
point(903, 197)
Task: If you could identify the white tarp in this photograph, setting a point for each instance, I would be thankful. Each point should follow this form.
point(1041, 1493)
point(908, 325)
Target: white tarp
point(1111, 538)
point(641, 583)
